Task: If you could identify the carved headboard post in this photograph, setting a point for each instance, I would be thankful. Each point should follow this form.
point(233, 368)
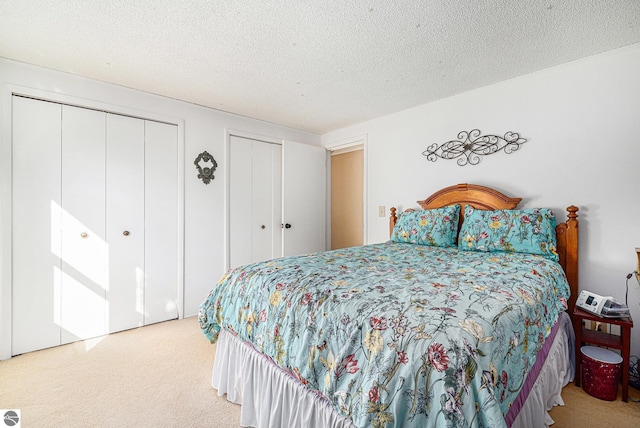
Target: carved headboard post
point(571, 254)
point(392, 220)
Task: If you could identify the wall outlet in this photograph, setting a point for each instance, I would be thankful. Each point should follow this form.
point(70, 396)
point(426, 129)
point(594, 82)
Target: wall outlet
point(381, 211)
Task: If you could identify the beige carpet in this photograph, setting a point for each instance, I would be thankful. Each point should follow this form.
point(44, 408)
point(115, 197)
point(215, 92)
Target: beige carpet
point(159, 376)
point(154, 376)
point(584, 411)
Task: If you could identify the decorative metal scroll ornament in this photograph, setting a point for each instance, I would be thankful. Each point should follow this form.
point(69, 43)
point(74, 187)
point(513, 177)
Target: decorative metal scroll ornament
point(470, 146)
point(205, 172)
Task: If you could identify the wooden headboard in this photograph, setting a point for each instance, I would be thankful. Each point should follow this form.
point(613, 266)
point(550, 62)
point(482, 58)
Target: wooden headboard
point(485, 198)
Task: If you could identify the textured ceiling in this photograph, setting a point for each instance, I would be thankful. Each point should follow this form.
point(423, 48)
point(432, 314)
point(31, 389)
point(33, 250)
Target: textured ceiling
point(315, 65)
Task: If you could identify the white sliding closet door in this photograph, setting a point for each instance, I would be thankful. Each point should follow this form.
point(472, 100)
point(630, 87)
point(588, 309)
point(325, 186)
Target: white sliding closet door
point(125, 229)
point(95, 230)
point(36, 218)
point(161, 222)
point(84, 246)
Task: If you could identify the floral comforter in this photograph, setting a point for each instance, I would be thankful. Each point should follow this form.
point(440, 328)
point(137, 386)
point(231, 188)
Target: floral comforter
point(397, 334)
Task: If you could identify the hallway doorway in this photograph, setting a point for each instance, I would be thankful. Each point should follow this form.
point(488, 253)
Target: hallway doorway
point(347, 184)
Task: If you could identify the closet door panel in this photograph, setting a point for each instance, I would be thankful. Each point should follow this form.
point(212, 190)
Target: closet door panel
point(36, 193)
point(84, 246)
point(240, 182)
point(125, 221)
point(276, 174)
point(304, 195)
point(261, 224)
point(255, 201)
point(161, 222)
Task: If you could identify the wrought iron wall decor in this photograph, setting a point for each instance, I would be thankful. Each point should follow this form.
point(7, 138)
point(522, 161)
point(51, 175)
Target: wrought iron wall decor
point(470, 146)
point(206, 166)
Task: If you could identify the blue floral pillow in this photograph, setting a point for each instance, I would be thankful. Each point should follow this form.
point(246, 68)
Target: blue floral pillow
point(436, 227)
point(531, 231)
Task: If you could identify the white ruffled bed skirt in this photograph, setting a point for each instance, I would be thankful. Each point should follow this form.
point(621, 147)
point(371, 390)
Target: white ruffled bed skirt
point(557, 371)
point(271, 398)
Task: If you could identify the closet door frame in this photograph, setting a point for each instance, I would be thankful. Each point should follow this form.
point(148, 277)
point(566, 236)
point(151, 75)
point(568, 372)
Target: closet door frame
point(6, 241)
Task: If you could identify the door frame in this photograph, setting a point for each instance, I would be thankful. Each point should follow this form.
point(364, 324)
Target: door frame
point(6, 193)
point(227, 179)
point(359, 140)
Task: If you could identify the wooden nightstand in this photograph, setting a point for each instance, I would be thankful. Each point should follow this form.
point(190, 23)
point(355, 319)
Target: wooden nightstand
point(622, 342)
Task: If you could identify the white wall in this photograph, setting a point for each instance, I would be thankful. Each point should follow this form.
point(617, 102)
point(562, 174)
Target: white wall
point(204, 129)
point(582, 122)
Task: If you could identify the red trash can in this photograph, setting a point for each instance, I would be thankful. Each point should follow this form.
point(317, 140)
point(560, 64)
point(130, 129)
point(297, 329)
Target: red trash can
point(600, 372)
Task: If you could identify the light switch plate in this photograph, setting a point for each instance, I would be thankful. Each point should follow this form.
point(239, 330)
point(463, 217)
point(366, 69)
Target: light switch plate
point(381, 211)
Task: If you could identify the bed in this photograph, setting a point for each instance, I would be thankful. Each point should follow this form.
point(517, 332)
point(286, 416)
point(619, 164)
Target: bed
point(460, 319)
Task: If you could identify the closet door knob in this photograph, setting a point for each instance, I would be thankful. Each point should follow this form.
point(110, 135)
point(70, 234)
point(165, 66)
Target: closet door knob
point(125, 233)
point(84, 235)
point(287, 226)
point(263, 226)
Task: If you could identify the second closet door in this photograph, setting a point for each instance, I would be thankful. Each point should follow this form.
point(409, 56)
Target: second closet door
point(255, 201)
